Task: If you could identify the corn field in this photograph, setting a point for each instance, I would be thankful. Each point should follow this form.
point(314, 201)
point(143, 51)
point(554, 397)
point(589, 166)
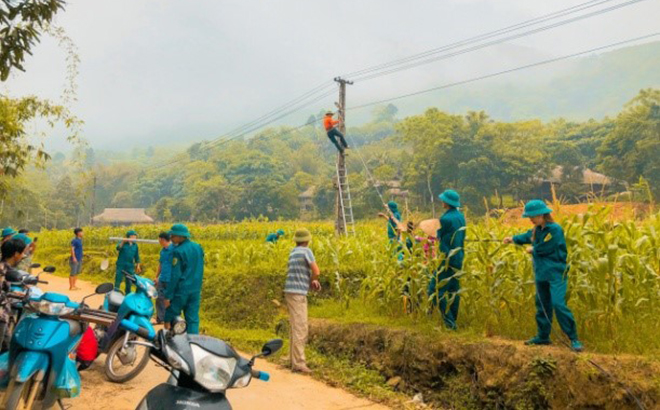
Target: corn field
point(614, 279)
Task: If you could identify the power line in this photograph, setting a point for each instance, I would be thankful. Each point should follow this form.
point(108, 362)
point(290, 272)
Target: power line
point(479, 37)
point(286, 110)
point(511, 70)
point(246, 129)
point(495, 42)
point(454, 84)
point(319, 92)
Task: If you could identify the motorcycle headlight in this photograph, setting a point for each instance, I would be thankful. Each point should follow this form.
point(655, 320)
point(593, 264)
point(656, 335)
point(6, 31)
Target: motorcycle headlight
point(242, 381)
point(176, 361)
point(152, 292)
point(212, 372)
point(51, 308)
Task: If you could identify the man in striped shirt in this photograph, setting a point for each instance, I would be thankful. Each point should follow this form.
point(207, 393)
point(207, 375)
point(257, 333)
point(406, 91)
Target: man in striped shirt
point(302, 274)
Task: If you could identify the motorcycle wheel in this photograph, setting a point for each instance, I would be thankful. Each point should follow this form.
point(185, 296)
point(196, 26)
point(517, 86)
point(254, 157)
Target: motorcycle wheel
point(17, 398)
point(113, 363)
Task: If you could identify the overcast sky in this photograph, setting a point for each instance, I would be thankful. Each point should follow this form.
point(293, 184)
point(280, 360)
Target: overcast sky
point(180, 71)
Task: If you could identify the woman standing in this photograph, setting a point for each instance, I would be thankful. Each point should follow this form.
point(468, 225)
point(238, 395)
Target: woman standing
point(549, 254)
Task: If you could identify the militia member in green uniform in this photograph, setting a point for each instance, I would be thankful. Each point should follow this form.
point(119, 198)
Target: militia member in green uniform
point(128, 260)
point(183, 293)
point(549, 254)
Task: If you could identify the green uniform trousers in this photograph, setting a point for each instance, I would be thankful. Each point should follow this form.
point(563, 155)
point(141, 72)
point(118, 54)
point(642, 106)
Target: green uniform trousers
point(551, 297)
point(119, 277)
point(189, 305)
point(446, 294)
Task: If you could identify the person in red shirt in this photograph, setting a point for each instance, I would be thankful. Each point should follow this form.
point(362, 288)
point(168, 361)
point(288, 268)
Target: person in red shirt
point(333, 133)
point(87, 349)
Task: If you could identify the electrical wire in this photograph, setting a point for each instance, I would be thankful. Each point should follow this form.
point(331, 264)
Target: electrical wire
point(286, 110)
point(494, 42)
point(508, 71)
point(482, 36)
point(246, 129)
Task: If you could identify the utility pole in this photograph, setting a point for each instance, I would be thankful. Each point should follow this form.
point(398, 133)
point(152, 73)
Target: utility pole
point(340, 206)
point(91, 218)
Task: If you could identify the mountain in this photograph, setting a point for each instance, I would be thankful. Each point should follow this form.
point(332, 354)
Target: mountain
point(593, 86)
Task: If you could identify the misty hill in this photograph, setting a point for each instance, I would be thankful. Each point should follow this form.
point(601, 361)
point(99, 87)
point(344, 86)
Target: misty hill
point(589, 87)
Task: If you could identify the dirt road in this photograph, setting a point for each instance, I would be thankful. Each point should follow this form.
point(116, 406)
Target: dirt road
point(285, 390)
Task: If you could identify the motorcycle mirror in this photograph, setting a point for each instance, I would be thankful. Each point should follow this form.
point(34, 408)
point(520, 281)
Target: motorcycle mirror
point(105, 264)
point(104, 288)
point(271, 347)
point(49, 269)
point(35, 266)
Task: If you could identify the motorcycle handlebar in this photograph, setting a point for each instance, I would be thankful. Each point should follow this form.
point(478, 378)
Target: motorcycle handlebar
point(263, 376)
point(45, 282)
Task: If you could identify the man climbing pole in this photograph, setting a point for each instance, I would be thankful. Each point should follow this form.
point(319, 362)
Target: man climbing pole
point(451, 236)
point(333, 133)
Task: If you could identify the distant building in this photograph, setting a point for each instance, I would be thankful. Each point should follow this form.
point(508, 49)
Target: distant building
point(593, 182)
point(122, 217)
point(393, 190)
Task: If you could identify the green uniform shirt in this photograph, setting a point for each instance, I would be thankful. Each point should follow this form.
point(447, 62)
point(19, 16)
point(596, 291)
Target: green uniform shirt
point(391, 226)
point(187, 270)
point(272, 238)
point(128, 256)
point(550, 253)
point(451, 236)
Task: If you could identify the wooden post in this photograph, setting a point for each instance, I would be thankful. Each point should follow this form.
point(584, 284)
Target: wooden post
point(91, 218)
point(340, 225)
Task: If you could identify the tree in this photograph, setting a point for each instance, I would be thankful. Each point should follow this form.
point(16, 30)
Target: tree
point(22, 23)
point(385, 113)
point(632, 149)
point(16, 152)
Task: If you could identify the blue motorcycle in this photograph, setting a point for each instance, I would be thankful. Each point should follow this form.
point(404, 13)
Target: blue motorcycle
point(38, 367)
point(124, 360)
point(21, 284)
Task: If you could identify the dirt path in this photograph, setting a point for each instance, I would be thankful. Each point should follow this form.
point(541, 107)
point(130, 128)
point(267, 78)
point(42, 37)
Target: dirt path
point(285, 390)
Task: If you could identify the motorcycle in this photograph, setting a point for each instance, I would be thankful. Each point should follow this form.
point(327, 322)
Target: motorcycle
point(202, 368)
point(38, 367)
point(21, 284)
point(124, 360)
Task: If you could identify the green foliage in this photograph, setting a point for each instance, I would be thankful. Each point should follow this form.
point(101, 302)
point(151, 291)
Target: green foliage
point(262, 177)
point(632, 149)
point(21, 24)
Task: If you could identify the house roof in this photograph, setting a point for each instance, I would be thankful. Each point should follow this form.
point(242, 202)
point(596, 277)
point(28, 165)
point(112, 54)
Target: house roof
point(123, 215)
point(309, 193)
point(589, 177)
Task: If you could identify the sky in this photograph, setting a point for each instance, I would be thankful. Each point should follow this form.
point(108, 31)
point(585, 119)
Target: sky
point(176, 72)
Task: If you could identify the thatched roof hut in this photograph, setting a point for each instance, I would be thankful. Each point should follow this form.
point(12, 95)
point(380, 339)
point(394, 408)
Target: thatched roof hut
point(123, 216)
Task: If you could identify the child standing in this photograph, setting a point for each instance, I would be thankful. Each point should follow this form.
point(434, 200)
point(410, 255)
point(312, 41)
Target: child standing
point(302, 274)
point(549, 254)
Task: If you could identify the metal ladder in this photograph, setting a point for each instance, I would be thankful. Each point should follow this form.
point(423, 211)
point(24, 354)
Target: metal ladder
point(345, 204)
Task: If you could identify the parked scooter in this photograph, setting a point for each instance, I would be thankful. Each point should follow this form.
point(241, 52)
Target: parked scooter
point(38, 367)
point(21, 285)
point(202, 369)
point(124, 361)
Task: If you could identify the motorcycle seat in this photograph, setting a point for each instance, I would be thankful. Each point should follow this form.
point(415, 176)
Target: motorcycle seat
point(115, 299)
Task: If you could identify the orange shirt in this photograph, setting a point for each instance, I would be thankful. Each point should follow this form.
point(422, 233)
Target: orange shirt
point(329, 123)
